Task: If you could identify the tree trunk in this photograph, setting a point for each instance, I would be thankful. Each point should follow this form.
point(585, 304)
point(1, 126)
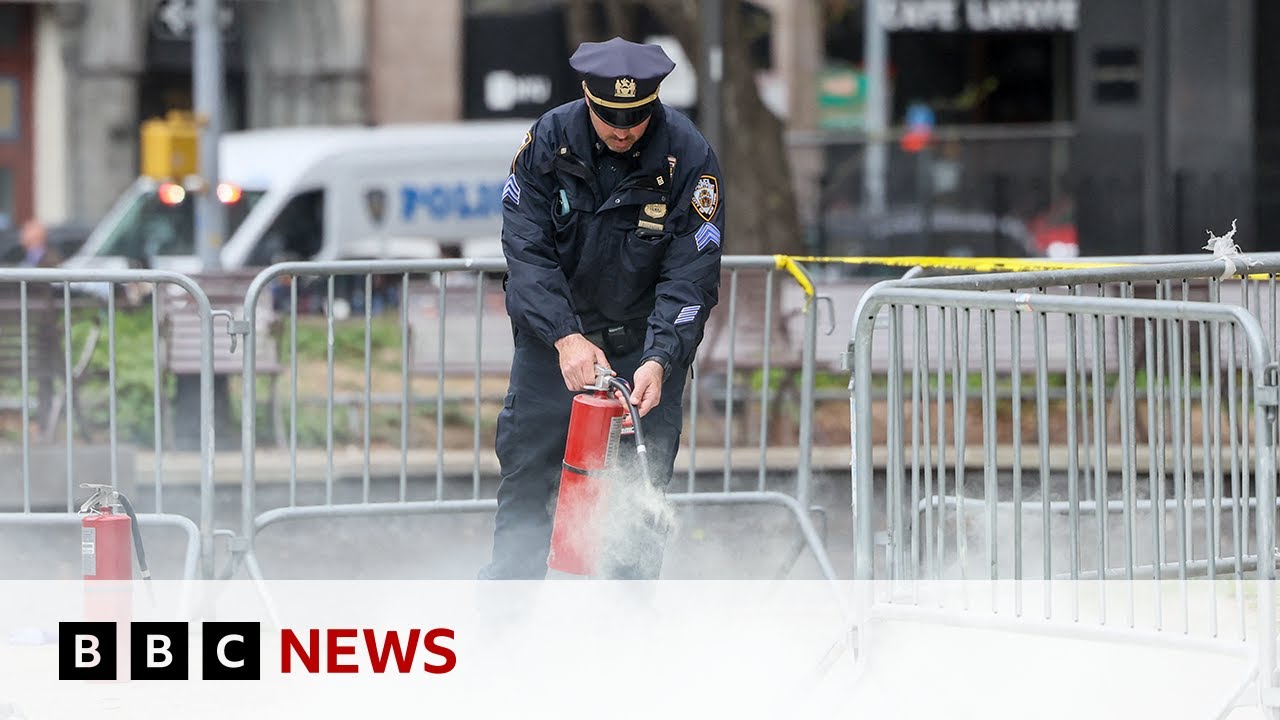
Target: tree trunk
point(580, 22)
point(757, 187)
point(759, 195)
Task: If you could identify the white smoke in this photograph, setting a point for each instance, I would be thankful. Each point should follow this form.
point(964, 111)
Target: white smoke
point(622, 533)
point(636, 520)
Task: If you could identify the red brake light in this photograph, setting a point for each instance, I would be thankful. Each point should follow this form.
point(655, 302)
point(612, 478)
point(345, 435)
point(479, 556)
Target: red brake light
point(171, 193)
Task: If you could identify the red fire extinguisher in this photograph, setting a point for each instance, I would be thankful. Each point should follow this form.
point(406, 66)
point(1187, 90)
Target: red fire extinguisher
point(596, 425)
point(109, 536)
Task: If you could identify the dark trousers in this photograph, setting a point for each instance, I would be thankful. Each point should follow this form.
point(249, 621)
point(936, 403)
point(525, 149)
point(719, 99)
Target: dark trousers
point(532, 428)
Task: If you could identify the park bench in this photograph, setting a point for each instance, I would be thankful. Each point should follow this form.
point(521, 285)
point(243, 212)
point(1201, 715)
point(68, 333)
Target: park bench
point(181, 354)
point(459, 317)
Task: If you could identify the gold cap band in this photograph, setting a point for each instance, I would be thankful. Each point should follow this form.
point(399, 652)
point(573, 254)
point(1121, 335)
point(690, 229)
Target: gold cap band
point(619, 105)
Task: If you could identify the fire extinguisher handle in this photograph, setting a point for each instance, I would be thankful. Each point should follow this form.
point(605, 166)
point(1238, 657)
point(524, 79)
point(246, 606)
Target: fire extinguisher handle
point(101, 496)
point(603, 378)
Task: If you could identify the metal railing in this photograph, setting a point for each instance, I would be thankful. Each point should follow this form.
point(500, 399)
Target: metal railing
point(1143, 398)
point(443, 341)
point(65, 322)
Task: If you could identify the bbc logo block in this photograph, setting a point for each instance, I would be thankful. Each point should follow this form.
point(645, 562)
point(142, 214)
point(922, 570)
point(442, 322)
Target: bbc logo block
point(159, 651)
point(232, 651)
point(86, 651)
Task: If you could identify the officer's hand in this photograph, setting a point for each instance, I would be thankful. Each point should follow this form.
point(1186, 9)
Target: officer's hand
point(578, 360)
point(646, 391)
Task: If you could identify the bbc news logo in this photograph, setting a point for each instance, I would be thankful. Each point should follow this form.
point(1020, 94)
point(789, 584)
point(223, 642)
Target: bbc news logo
point(159, 651)
point(233, 651)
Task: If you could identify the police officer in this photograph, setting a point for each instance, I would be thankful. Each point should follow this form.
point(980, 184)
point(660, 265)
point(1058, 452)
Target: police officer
point(612, 225)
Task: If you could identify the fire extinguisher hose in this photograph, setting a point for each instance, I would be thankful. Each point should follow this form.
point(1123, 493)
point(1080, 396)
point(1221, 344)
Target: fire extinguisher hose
point(137, 536)
point(621, 386)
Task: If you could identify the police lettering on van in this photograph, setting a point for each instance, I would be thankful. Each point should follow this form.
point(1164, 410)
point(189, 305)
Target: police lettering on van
point(455, 201)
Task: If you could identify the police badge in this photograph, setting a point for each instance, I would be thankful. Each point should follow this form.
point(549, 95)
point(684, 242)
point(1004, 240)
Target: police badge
point(706, 197)
point(375, 204)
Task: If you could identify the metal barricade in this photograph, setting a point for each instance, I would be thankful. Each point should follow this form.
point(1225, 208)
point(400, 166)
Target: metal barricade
point(1145, 397)
point(438, 335)
point(59, 332)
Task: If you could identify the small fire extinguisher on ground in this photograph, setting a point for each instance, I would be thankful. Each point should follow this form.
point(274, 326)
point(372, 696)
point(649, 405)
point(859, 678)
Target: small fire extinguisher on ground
point(597, 423)
point(109, 536)
point(109, 539)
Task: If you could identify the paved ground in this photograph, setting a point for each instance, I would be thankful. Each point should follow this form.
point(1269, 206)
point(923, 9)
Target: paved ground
point(711, 542)
point(732, 542)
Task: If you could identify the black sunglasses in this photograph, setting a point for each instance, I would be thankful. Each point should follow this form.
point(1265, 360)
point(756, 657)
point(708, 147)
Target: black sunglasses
point(622, 118)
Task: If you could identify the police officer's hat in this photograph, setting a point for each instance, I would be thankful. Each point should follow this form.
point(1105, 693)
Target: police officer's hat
point(621, 78)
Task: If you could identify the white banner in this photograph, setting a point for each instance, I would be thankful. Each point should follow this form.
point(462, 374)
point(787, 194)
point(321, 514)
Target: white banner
point(576, 649)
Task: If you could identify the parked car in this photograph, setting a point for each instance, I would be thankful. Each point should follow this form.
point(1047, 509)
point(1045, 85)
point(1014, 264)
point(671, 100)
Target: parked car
point(1054, 230)
point(941, 232)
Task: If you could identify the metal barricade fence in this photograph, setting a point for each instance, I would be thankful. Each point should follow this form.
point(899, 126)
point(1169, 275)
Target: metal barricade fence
point(62, 363)
point(430, 343)
point(1136, 414)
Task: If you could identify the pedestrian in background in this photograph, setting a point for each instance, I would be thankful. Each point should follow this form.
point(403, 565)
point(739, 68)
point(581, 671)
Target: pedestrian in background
point(34, 238)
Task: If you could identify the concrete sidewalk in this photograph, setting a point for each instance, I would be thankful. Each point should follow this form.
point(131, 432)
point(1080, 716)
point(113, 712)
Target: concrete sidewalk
point(273, 466)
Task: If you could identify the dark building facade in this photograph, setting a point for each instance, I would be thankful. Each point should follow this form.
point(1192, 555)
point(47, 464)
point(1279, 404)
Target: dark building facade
point(1175, 124)
point(1138, 124)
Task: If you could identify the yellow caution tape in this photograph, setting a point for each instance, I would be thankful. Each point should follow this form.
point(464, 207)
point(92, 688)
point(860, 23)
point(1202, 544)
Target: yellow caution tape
point(974, 264)
point(791, 264)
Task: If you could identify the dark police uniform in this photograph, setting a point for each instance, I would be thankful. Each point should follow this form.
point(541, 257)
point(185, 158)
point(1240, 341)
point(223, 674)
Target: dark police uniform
point(623, 248)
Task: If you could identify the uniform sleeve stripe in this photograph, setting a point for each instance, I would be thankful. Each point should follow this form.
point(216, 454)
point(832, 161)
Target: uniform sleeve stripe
point(687, 314)
point(511, 190)
point(706, 235)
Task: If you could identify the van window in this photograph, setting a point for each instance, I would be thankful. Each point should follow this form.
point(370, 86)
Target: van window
point(151, 227)
point(297, 233)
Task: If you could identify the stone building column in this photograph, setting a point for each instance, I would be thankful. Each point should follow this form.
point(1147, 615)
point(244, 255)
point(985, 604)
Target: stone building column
point(415, 60)
point(305, 62)
point(104, 58)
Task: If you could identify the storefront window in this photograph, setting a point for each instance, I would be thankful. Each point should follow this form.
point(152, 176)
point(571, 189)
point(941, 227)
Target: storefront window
point(10, 21)
point(509, 7)
point(6, 198)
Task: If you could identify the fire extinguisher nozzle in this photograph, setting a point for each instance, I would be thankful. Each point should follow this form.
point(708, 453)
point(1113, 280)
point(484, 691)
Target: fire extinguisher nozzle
point(625, 389)
point(143, 570)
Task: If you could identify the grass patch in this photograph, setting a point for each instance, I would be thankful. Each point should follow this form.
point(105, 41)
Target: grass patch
point(348, 341)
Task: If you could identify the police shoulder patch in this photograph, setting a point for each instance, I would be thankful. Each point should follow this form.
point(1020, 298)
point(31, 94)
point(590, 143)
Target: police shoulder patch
point(528, 138)
point(706, 196)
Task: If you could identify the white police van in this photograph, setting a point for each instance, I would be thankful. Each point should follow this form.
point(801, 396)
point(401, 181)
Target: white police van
point(326, 193)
